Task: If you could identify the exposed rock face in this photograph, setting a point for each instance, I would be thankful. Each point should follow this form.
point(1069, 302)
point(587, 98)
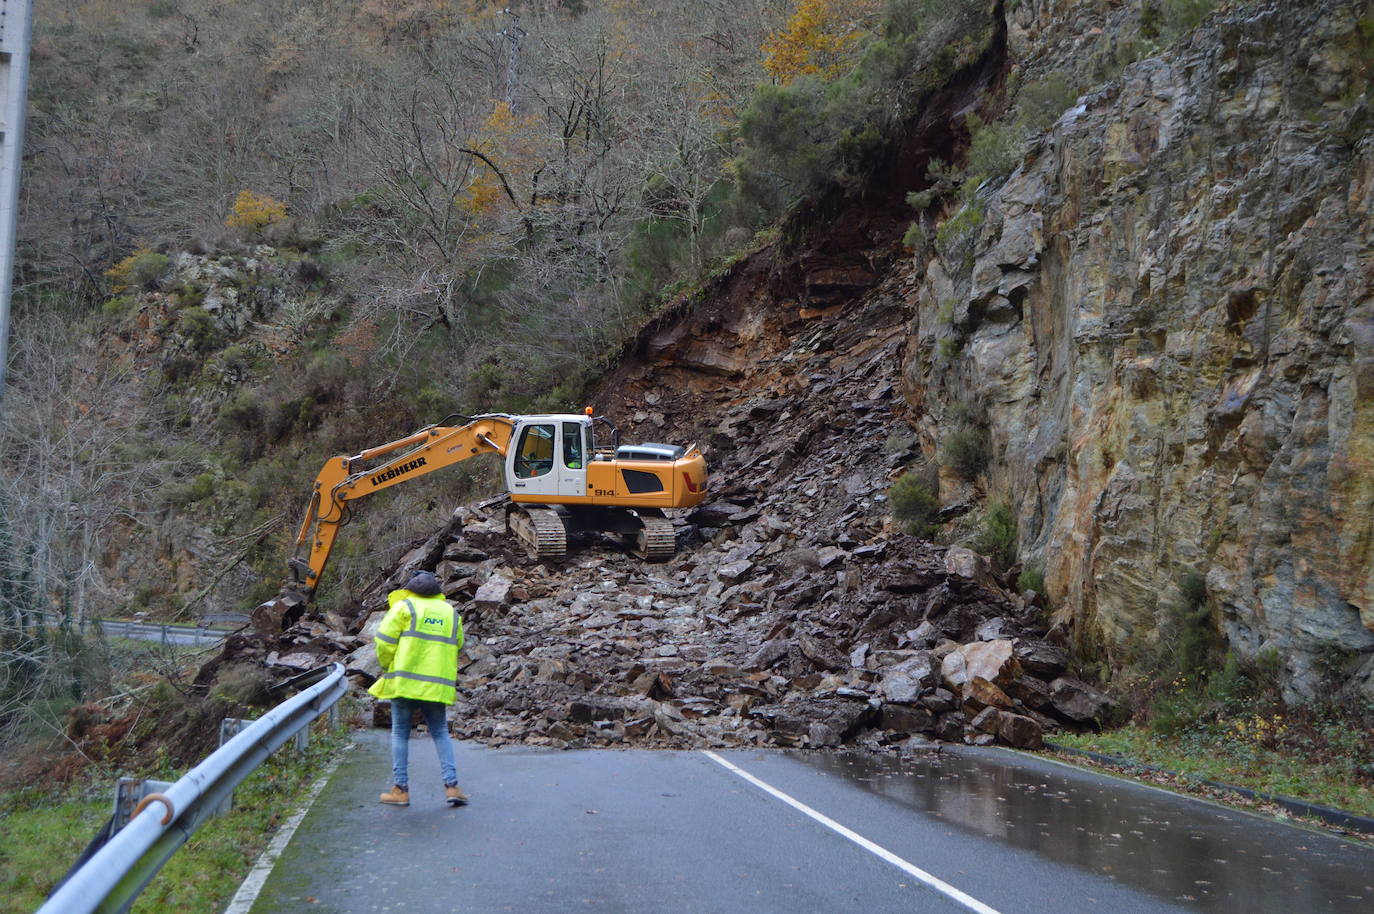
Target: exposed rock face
point(1167, 326)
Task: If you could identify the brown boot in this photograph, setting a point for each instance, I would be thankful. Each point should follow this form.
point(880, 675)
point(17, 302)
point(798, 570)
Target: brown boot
point(396, 796)
point(454, 796)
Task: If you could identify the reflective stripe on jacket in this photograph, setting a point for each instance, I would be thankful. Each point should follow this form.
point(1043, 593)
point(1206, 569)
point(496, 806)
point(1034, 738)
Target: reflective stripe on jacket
point(417, 645)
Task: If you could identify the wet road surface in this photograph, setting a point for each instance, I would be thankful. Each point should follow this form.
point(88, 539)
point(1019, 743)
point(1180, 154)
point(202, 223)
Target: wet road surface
point(678, 831)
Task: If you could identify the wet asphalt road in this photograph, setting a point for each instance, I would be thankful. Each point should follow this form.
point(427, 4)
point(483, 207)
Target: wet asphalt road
point(677, 832)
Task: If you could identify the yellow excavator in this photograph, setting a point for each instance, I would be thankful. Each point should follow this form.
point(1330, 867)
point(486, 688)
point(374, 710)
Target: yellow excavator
point(559, 477)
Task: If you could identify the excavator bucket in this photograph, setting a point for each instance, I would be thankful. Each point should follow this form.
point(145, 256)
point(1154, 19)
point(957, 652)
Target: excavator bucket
point(278, 614)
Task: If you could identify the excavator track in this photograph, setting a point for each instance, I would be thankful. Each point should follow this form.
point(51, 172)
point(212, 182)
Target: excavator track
point(657, 540)
point(541, 530)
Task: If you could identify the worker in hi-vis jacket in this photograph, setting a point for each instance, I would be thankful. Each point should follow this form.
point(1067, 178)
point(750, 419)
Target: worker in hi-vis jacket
point(417, 646)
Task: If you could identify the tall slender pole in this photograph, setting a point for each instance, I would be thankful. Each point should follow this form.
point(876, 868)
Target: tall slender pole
point(512, 34)
point(16, 33)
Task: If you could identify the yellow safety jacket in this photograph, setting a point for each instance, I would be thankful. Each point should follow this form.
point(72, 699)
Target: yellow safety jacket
point(417, 646)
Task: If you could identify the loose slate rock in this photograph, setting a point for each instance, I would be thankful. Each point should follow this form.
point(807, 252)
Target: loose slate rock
point(1079, 702)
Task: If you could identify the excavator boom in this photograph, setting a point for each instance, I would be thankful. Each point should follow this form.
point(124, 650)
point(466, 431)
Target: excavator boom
point(346, 479)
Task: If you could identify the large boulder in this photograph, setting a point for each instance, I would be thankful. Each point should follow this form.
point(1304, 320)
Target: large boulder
point(906, 682)
point(990, 660)
point(906, 719)
point(1020, 731)
point(966, 563)
point(494, 593)
point(979, 693)
point(1079, 702)
point(822, 653)
point(1041, 658)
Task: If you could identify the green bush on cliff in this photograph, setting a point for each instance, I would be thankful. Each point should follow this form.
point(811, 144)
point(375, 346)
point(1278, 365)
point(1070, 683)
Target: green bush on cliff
point(1189, 637)
point(1171, 19)
point(915, 504)
point(997, 535)
point(966, 451)
point(1032, 577)
point(201, 330)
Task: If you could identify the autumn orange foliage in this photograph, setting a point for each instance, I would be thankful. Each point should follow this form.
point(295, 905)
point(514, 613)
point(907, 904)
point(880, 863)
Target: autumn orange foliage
point(817, 40)
point(502, 139)
point(254, 212)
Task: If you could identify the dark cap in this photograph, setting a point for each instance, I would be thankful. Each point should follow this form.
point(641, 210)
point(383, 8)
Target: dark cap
point(423, 583)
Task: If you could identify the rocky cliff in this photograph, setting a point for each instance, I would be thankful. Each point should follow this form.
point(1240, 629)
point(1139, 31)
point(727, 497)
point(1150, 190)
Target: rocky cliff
point(1160, 319)
point(1165, 324)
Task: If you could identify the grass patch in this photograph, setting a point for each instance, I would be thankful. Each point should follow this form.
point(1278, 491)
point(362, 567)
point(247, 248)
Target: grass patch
point(1228, 723)
point(46, 831)
point(42, 838)
point(1243, 762)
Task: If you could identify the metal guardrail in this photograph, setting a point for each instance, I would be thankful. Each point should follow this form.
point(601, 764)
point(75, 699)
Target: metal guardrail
point(114, 875)
point(161, 632)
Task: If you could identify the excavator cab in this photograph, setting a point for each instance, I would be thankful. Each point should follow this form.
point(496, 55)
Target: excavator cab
point(557, 460)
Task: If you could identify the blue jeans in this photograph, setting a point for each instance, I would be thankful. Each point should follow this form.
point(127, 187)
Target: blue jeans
point(433, 712)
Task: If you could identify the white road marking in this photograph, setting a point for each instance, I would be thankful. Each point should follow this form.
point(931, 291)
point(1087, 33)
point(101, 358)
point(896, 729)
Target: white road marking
point(939, 885)
point(257, 876)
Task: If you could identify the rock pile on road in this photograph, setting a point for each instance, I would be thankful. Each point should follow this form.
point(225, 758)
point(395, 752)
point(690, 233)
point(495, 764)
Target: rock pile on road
point(792, 615)
point(883, 643)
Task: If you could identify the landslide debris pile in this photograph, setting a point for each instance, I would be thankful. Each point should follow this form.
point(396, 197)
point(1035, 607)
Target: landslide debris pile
point(792, 614)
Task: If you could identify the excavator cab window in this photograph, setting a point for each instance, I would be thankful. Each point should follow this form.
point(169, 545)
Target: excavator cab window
point(572, 445)
point(534, 456)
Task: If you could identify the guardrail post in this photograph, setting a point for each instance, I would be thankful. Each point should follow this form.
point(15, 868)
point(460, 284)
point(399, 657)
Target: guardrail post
point(128, 791)
point(334, 719)
point(228, 729)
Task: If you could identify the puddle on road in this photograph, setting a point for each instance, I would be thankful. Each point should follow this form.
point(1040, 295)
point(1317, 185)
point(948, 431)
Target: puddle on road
point(1184, 851)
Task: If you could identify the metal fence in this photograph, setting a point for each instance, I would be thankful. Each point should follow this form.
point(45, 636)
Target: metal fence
point(112, 877)
point(161, 632)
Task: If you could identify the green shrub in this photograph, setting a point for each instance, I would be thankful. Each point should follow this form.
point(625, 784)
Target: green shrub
point(140, 270)
point(286, 417)
point(956, 235)
point(915, 504)
point(1179, 710)
point(899, 442)
point(238, 358)
point(201, 330)
point(202, 487)
point(189, 295)
point(245, 412)
point(996, 536)
point(994, 149)
point(1042, 102)
point(1189, 639)
point(1032, 577)
point(914, 238)
point(966, 451)
point(813, 134)
point(1182, 16)
point(118, 306)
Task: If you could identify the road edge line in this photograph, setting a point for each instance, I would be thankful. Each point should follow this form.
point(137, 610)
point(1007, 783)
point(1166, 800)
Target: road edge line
point(252, 884)
point(939, 885)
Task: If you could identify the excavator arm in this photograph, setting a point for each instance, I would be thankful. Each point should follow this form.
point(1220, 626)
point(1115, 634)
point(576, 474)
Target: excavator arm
point(344, 480)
